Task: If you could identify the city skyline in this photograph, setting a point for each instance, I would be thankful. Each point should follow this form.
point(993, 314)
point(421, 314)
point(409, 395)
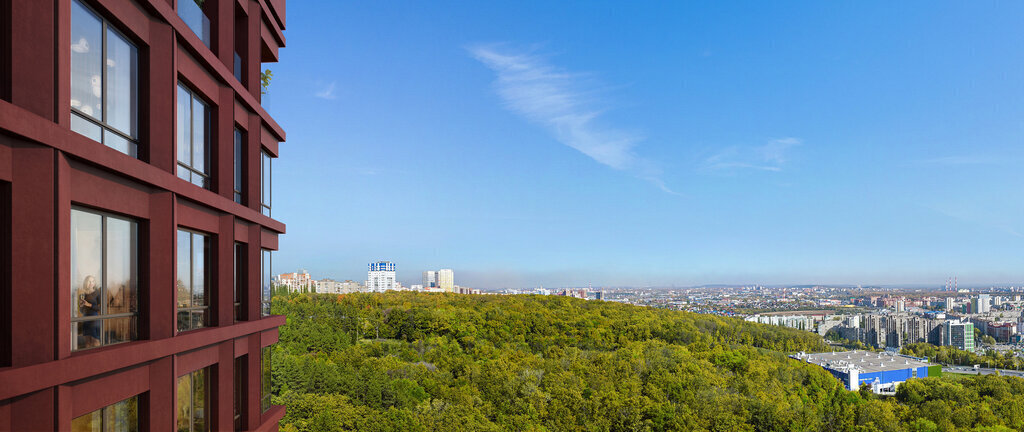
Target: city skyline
point(702, 143)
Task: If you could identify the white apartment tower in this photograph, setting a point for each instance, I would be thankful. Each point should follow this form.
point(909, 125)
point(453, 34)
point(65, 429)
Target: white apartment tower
point(446, 280)
point(430, 279)
point(381, 277)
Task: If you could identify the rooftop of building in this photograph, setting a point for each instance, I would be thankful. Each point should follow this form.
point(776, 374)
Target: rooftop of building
point(863, 361)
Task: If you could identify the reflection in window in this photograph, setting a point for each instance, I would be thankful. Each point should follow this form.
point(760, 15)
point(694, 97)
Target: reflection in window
point(193, 255)
point(239, 145)
point(265, 284)
point(265, 379)
point(119, 417)
point(193, 138)
point(265, 175)
point(193, 403)
point(104, 279)
point(104, 82)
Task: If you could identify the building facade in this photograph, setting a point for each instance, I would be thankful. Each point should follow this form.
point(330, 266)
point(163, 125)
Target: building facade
point(430, 279)
point(299, 281)
point(959, 335)
point(446, 280)
point(381, 277)
point(135, 215)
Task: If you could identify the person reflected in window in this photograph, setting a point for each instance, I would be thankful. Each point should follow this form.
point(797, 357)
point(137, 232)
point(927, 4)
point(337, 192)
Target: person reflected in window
point(89, 305)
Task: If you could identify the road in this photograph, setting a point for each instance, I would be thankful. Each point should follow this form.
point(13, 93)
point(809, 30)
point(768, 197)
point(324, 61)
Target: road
point(984, 371)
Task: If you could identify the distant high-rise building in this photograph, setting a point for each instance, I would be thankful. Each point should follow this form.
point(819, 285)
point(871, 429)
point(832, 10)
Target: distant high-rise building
point(430, 279)
point(446, 280)
point(381, 277)
point(959, 335)
point(949, 304)
point(980, 304)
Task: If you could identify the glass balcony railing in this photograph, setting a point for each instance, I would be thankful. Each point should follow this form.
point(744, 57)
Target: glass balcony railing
point(193, 15)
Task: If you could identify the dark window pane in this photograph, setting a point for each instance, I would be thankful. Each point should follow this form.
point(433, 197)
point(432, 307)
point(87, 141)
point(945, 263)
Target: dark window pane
point(184, 320)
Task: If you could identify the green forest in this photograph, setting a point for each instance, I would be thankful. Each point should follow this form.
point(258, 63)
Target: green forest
point(405, 361)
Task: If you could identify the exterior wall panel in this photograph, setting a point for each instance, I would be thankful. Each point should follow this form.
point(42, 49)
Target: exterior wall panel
point(46, 169)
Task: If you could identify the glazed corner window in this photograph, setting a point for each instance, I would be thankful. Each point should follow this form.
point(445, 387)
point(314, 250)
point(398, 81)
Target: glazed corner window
point(193, 255)
point(193, 402)
point(265, 379)
point(265, 175)
point(265, 284)
point(193, 138)
point(239, 146)
point(122, 416)
point(104, 279)
point(104, 82)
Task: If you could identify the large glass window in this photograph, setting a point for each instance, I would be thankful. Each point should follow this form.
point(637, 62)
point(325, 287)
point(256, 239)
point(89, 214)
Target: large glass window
point(265, 176)
point(193, 138)
point(104, 279)
point(265, 379)
point(265, 284)
point(104, 82)
point(240, 277)
point(193, 280)
point(239, 160)
point(193, 402)
point(122, 416)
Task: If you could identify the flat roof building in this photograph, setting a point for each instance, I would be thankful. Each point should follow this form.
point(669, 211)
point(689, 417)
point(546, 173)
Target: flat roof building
point(135, 214)
point(883, 371)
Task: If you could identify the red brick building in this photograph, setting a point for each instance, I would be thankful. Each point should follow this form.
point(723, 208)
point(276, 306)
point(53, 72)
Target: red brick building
point(135, 214)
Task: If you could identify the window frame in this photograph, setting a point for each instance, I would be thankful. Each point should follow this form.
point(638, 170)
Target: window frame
point(133, 142)
point(103, 414)
point(206, 177)
point(239, 168)
point(266, 378)
point(206, 381)
point(241, 276)
point(207, 277)
point(266, 182)
point(266, 285)
point(102, 317)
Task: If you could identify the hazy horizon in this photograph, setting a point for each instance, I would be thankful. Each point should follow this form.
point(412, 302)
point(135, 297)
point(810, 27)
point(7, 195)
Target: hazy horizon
point(530, 143)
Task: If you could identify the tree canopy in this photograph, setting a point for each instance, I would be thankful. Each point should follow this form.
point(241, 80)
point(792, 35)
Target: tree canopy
point(404, 361)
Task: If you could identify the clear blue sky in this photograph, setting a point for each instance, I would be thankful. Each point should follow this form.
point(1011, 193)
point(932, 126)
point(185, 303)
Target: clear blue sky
point(535, 142)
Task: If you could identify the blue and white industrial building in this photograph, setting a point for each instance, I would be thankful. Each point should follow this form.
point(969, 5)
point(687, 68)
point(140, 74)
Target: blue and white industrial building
point(883, 371)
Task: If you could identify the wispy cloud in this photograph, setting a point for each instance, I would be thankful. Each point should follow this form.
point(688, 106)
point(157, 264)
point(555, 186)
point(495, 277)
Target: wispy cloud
point(565, 103)
point(772, 156)
point(327, 92)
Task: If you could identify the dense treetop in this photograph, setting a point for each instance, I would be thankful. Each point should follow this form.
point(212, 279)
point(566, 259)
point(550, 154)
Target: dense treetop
point(402, 361)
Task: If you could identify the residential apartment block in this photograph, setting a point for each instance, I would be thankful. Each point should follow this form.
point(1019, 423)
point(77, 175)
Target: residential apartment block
point(135, 215)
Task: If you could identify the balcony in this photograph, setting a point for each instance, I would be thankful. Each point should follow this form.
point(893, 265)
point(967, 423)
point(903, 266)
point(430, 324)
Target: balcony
point(193, 15)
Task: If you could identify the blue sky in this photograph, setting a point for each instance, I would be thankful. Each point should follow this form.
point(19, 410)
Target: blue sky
point(564, 143)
